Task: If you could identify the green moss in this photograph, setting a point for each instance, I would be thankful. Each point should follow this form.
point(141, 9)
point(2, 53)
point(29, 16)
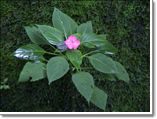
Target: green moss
point(5, 8)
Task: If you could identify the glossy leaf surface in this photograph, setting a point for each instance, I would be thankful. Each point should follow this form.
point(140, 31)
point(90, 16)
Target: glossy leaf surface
point(56, 68)
point(84, 83)
point(30, 52)
point(64, 23)
point(32, 72)
point(75, 57)
point(103, 63)
point(99, 98)
point(51, 34)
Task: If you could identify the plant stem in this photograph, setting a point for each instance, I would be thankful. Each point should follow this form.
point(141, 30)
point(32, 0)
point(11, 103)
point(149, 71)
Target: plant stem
point(56, 50)
point(44, 59)
point(50, 53)
point(87, 68)
point(52, 46)
point(89, 53)
point(38, 51)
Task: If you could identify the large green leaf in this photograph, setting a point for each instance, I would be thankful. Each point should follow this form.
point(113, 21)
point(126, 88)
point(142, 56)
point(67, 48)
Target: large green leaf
point(77, 35)
point(30, 52)
point(92, 40)
point(32, 72)
point(52, 35)
point(35, 36)
point(84, 83)
point(103, 63)
point(106, 46)
point(63, 22)
point(75, 57)
point(85, 28)
point(99, 98)
point(56, 68)
point(122, 73)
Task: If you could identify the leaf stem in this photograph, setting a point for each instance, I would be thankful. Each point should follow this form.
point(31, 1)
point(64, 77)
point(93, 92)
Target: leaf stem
point(50, 53)
point(44, 59)
point(56, 49)
point(89, 53)
point(52, 46)
point(38, 51)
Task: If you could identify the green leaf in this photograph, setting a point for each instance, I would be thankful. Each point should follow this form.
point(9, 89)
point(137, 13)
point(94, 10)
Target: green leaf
point(77, 35)
point(102, 63)
point(56, 68)
point(99, 98)
point(106, 46)
point(63, 22)
point(30, 52)
point(91, 40)
point(84, 83)
point(110, 77)
point(52, 35)
point(35, 36)
point(32, 72)
point(122, 73)
point(85, 28)
point(75, 57)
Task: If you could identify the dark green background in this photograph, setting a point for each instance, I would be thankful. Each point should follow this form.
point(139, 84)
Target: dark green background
point(127, 26)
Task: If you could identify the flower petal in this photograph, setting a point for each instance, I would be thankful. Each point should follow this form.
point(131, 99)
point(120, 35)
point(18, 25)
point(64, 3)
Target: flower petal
point(72, 42)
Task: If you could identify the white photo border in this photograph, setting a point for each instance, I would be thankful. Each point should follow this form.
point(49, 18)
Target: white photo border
point(151, 113)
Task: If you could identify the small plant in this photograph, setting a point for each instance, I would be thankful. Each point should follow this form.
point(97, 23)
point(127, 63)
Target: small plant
point(4, 85)
point(72, 45)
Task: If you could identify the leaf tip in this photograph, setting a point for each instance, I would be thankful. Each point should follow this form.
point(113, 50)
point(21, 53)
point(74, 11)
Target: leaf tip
point(55, 9)
point(49, 83)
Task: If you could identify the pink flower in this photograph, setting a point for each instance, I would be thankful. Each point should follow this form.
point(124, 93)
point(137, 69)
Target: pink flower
point(72, 42)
